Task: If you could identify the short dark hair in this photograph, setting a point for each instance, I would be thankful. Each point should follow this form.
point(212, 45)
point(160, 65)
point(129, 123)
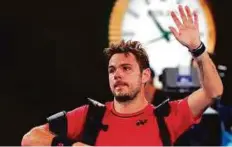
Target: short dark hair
point(127, 47)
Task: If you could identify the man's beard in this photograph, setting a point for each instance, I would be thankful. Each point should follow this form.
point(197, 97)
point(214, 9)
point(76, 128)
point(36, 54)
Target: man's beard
point(127, 96)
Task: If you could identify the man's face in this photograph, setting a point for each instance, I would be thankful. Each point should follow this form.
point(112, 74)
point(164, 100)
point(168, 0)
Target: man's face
point(125, 77)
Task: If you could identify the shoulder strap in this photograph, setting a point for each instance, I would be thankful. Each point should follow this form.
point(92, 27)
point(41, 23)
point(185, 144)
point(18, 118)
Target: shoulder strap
point(58, 126)
point(93, 124)
point(161, 112)
point(58, 123)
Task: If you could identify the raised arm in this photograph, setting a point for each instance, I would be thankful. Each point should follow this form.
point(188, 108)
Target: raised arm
point(187, 33)
point(62, 129)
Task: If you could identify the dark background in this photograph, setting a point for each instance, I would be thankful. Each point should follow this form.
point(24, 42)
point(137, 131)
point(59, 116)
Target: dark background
point(51, 58)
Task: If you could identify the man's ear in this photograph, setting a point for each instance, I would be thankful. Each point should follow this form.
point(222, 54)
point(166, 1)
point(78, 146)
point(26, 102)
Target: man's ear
point(146, 75)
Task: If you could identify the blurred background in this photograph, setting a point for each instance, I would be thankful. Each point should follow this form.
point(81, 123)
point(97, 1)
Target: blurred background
point(51, 60)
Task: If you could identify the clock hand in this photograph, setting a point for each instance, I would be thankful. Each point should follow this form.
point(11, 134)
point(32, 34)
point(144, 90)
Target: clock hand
point(179, 1)
point(153, 40)
point(156, 39)
point(165, 34)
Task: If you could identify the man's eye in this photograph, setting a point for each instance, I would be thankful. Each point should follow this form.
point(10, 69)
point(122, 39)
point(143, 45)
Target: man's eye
point(126, 68)
point(110, 70)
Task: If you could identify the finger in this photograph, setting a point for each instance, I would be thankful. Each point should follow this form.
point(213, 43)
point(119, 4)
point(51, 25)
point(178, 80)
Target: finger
point(189, 14)
point(176, 19)
point(196, 19)
point(182, 14)
point(174, 32)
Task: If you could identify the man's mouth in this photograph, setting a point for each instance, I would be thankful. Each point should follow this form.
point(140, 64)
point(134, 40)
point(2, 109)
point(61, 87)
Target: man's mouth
point(119, 84)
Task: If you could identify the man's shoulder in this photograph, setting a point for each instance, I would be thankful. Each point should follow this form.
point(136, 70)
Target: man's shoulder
point(94, 105)
point(178, 101)
point(78, 110)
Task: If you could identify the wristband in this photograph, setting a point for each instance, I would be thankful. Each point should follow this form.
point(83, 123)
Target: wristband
point(61, 141)
point(198, 51)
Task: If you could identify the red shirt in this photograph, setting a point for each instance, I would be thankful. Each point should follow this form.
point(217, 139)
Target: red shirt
point(123, 130)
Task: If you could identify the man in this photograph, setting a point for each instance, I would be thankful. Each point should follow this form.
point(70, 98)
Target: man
point(129, 71)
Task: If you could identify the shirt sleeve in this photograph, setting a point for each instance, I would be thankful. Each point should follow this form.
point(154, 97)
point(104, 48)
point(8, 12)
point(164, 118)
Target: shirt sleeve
point(180, 118)
point(76, 120)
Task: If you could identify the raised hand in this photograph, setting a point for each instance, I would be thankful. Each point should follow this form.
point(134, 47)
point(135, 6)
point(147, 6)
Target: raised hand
point(187, 32)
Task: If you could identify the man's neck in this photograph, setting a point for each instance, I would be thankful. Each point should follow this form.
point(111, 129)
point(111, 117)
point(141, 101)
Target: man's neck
point(131, 106)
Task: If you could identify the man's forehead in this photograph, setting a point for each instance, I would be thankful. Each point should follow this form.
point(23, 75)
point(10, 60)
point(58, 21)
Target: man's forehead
point(119, 59)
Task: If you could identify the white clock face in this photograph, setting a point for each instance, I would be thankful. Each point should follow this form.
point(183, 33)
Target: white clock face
point(147, 21)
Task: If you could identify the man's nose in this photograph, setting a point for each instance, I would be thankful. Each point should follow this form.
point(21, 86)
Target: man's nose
point(118, 74)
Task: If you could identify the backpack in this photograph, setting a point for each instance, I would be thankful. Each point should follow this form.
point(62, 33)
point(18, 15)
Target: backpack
point(93, 124)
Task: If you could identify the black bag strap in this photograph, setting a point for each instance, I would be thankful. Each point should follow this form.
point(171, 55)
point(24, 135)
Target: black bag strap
point(93, 124)
point(161, 111)
point(58, 123)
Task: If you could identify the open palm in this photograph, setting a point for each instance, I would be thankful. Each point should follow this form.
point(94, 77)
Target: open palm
point(187, 32)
